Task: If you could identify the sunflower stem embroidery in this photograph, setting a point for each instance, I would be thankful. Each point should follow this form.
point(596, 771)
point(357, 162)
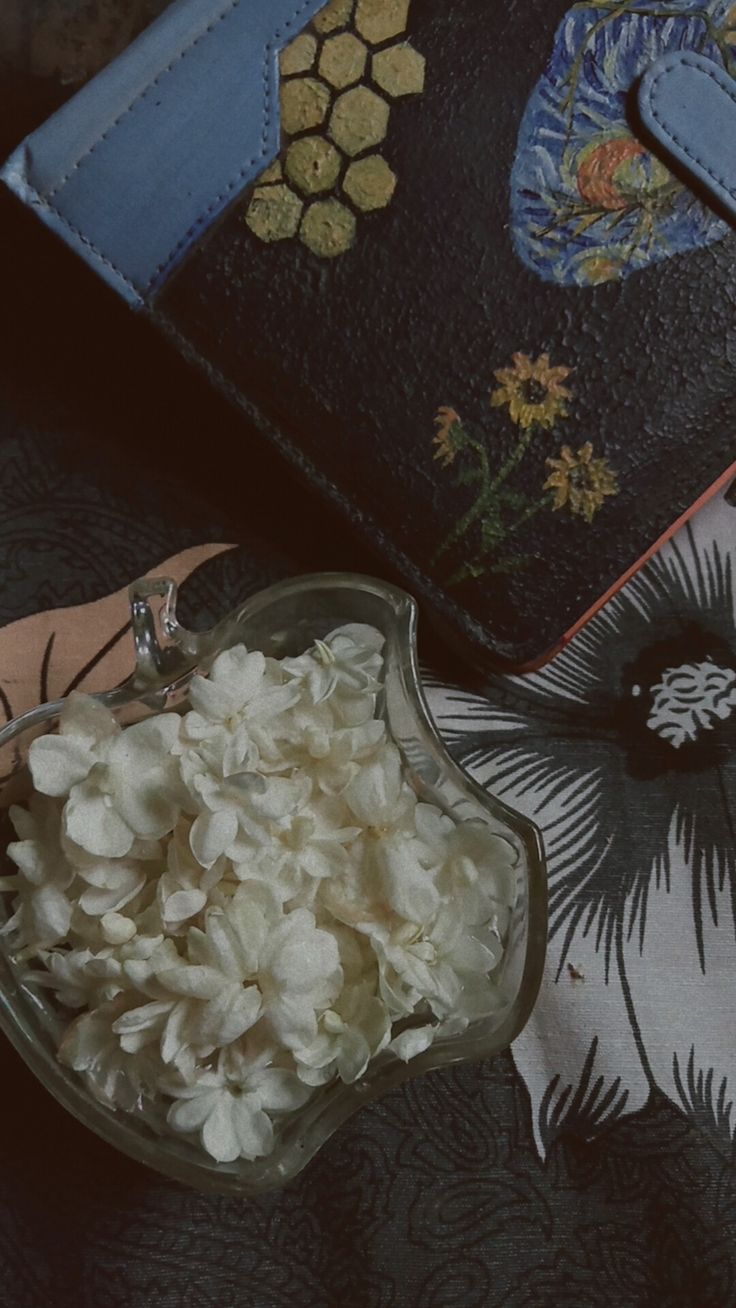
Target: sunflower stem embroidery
point(534, 394)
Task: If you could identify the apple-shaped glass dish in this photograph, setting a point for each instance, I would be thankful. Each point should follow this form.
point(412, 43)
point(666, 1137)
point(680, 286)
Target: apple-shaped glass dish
point(283, 620)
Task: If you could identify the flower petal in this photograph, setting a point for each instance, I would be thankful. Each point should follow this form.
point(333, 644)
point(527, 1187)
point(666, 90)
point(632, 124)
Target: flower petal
point(227, 1017)
point(51, 915)
point(292, 1019)
point(357, 634)
point(187, 1115)
point(86, 720)
point(145, 745)
point(579, 1031)
point(304, 958)
point(219, 1136)
point(279, 1091)
point(471, 955)
point(238, 754)
point(84, 1039)
point(224, 948)
point(240, 670)
point(141, 775)
point(28, 859)
point(147, 802)
point(57, 763)
point(683, 1010)
point(194, 980)
point(215, 703)
point(374, 792)
point(117, 929)
point(91, 822)
point(182, 905)
point(212, 834)
point(409, 888)
point(409, 1044)
point(279, 798)
point(253, 1128)
point(173, 1040)
point(141, 1019)
point(353, 1056)
point(96, 901)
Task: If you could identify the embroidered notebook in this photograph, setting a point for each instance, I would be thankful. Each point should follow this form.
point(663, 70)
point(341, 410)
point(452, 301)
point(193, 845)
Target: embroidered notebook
point(434, 250)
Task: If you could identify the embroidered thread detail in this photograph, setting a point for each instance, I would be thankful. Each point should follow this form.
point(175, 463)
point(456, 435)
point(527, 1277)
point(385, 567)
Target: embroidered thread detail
point(182, 243)
point(182, 54)
point(159, 274)
point(85, 240)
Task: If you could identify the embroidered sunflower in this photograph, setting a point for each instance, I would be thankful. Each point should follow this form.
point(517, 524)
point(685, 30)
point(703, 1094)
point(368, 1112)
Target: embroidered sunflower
point(580, 482)
point(449, 438)
point(533, 391)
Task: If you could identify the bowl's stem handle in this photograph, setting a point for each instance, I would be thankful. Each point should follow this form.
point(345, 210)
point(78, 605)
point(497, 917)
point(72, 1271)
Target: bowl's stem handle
point(164, 649)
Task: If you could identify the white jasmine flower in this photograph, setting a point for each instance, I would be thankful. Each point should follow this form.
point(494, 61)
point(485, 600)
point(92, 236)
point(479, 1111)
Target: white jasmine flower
point(282, 741)
point(241, 685)
point(234, 681)
point(395, 873)
point(479, 872)
point(230, 1107)
point(114, 1077)
point(120, 784)
point(299, 975)
point(442, 966)
point(134, 793)
point(245, 804)
point(313, 737)
point(206, 748)
point(379, 797)
point(112, 883)
point(334, 759)
point(408, 877)
point(82, 978)
point(304, 849)
point(348, 659)
point(206, 998)
point(60, 761)
point(348, 1035)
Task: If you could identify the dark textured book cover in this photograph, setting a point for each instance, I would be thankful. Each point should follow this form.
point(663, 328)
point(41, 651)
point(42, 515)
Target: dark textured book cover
point(474, 307)
point(469, 303)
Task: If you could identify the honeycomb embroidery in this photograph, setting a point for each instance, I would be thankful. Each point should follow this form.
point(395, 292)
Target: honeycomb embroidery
point(339, 80)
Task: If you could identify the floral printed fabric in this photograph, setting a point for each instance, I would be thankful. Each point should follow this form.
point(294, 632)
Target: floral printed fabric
point(623, 750)
point(589, 202)
point(438, 1196)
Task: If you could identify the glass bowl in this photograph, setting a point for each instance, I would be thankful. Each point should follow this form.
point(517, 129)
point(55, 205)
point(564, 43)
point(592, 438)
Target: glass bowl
point(282, 620)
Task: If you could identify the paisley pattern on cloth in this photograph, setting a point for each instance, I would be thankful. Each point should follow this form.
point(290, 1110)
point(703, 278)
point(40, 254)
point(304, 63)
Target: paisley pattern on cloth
point(589, 203)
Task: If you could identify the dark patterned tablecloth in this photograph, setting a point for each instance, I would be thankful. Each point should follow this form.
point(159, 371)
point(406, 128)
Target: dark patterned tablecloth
point(592, 1166)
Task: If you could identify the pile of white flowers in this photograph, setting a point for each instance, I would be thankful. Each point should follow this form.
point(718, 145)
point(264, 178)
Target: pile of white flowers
point(249, 901)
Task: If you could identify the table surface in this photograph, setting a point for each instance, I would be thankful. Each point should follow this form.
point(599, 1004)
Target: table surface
point(594, 1163)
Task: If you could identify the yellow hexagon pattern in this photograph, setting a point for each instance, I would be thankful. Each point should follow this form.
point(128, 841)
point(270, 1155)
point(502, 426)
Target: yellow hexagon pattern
point(340, 79)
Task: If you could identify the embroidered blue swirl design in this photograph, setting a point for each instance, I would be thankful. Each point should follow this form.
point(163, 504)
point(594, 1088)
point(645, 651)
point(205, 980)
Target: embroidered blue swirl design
point(589, 203)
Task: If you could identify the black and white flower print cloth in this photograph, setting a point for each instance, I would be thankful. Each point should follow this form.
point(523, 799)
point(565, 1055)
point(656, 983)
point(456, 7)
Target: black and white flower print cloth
point(623, 751)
